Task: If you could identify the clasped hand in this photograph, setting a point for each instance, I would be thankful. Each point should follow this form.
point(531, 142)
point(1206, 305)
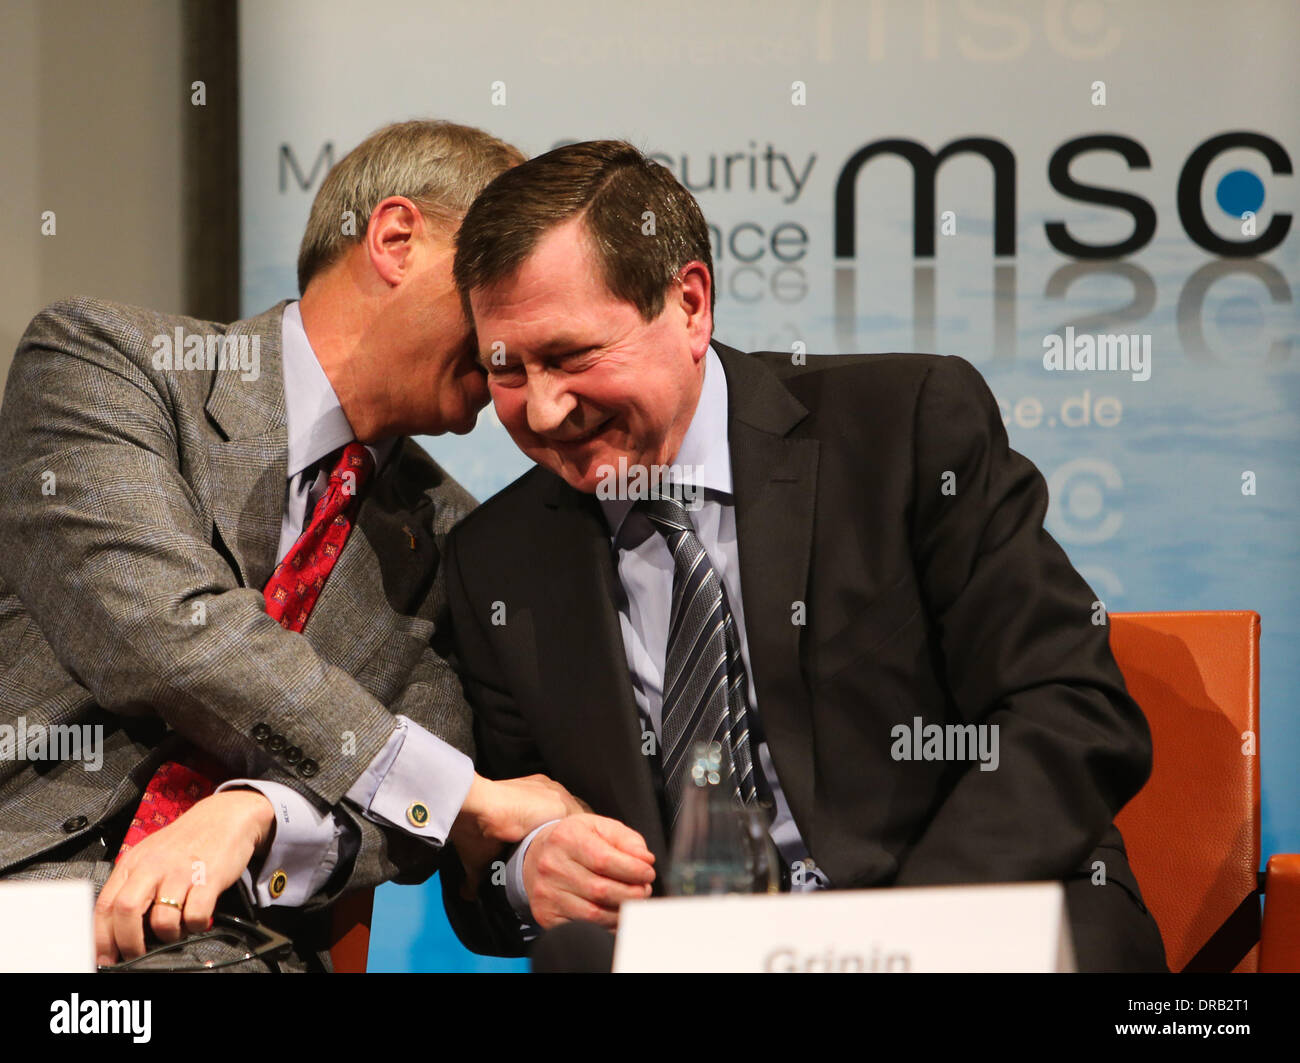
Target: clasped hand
point(171, 880)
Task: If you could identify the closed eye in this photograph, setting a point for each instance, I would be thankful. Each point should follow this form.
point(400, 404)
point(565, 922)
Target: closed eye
point(576, 361)
point(508, 373)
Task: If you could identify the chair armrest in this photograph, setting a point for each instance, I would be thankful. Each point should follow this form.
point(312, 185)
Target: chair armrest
point(1279, 948)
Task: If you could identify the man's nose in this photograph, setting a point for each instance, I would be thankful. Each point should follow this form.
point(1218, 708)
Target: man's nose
point(549, 403)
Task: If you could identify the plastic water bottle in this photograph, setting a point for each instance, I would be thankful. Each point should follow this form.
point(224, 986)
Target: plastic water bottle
point(718, 846)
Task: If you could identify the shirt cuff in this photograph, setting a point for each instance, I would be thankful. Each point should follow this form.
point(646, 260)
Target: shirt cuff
point(515, 892)
point(304, 849)
point(416, 783)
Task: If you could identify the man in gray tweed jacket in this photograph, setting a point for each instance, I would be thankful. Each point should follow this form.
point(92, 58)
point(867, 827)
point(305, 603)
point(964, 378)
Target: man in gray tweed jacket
point(153, 470)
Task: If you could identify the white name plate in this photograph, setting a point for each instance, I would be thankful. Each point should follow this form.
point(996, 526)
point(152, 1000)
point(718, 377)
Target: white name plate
point(47, 927)
point(1014, 927)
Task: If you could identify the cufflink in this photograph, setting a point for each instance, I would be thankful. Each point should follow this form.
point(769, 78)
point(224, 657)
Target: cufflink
point(418, 814)
point(279, 880)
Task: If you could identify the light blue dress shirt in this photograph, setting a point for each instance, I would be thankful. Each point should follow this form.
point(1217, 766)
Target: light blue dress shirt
point(414, 765)
point(645, 572)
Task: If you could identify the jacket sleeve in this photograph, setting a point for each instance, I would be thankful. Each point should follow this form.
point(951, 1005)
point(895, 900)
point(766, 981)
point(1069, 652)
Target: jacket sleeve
point(105, 542)
point(506, 750)
point(433, 699)
point(1026, 651)
point(371, 853)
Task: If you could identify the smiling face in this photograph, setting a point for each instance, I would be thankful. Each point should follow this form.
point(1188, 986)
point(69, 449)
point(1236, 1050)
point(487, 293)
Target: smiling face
point(578, 378)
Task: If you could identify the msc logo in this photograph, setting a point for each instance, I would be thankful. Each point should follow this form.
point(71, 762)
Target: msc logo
point(1238, 194)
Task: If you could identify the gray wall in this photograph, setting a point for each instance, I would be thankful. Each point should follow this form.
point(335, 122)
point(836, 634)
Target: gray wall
point(99, 128)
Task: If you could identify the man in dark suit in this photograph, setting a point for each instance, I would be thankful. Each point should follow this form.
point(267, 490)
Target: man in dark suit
point(220, 552)
point(863, 560)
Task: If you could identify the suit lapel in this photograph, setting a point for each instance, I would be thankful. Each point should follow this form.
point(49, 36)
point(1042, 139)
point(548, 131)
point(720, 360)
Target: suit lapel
point(775, 484)
point(248, 477)
point(595, 700)
point(248, 466)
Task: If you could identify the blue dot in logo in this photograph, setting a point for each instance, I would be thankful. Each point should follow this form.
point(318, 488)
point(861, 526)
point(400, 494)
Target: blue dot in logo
point(1240, 191)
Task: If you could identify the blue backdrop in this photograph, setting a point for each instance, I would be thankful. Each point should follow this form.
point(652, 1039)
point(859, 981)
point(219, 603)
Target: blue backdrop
point(1113, 169)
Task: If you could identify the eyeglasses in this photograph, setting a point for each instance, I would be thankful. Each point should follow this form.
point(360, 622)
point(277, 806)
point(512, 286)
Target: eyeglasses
point(229, 942)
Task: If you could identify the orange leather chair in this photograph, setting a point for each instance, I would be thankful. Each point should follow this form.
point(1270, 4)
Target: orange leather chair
point(350, 932)
point(1193, 832)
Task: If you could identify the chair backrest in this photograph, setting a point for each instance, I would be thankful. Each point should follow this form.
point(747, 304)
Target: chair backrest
point(1192, 833)
point(350, 931)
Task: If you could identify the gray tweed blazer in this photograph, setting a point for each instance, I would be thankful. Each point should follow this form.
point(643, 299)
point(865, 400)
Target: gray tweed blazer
point(140, 511)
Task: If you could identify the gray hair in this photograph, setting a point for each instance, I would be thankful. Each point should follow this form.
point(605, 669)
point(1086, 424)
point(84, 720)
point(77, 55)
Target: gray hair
point(439, 166)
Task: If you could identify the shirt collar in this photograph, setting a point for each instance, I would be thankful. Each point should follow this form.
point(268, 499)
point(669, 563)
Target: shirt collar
point(704, 458)
point(316, 423)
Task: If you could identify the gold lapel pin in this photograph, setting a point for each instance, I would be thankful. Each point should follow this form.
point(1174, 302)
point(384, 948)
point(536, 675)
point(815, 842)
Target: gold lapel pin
point(409, 534)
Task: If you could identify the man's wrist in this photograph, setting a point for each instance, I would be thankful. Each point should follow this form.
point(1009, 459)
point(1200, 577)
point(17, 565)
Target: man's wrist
point(295, 858)
point(516, 880)
point(261, 816)
point(475, 814)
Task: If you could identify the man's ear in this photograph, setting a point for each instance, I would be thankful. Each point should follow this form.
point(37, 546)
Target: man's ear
point(696, 301)
point(390, 237)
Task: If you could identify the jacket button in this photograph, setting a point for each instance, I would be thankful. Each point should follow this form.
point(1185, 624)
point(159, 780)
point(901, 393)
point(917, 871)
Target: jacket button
point(74, 824)
point(308, 768)
point(293, 754)
point(276, 743)
point(261, 732)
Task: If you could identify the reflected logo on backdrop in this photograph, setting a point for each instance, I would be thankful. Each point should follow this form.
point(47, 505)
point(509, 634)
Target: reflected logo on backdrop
point(1218, 205)
point(1083, 509)
point(1238, 193)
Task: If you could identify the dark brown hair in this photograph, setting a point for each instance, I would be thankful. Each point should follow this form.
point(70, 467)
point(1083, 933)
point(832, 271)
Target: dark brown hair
point(643, 225)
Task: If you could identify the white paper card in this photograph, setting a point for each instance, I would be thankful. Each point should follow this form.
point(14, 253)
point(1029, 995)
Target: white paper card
point(1014, 927)
point(47, 926)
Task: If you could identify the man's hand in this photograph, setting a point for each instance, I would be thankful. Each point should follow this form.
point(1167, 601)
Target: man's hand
point(498, 813)
point(191, 861)
point(584, 867)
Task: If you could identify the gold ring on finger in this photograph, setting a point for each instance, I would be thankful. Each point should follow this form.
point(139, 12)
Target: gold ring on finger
point(169, 902)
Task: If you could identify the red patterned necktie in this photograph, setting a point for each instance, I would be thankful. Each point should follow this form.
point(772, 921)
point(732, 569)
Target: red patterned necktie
point(296, 582)
point(290, 594)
